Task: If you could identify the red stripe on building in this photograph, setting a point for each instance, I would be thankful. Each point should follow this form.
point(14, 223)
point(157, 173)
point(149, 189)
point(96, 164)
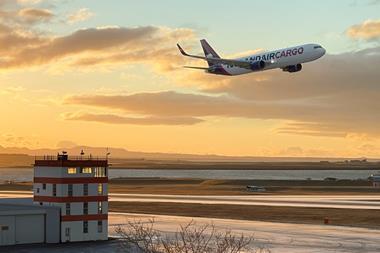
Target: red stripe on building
point(71, 163)
point(84, 217)
point(73, 180)
point(70, 199)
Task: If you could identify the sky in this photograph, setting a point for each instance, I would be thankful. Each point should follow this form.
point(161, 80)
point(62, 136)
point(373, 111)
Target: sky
point(108, 74)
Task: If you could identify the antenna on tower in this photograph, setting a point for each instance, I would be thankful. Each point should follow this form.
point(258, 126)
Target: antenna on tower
point(62, 157)
point(107, 153)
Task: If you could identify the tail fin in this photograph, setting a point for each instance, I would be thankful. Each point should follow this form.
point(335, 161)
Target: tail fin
point(209, 52)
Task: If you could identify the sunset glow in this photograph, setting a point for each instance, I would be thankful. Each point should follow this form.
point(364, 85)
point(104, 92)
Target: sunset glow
point(108, 74)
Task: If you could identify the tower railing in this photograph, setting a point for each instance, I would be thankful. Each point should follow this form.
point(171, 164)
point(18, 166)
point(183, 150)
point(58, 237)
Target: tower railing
point(71, 157)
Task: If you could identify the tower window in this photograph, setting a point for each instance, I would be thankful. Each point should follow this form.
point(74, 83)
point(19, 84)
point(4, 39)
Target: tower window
point(68, 209)
point(100, 172)
point(71, 170)
point(85, 189)
point(44, 186)
point(86, 170)
point(85, 208)
point(100, 208)
point(70, 190)
point(85, 227)
point(100, 189)
point(100, 226)
point(54, 190)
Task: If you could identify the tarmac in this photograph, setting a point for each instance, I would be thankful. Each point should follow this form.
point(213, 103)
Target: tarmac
point(277, 237)
point(317, 201)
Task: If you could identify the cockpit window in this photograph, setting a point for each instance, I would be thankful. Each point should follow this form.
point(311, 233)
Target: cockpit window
point(315, 47)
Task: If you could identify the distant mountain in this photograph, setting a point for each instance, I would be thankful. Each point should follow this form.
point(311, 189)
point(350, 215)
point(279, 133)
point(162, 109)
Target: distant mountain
point(16, 160)
point(126, 154)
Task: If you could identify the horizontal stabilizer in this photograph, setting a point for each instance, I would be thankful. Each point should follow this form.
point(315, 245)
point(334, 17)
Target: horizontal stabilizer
point(191, 67)
point(181, 50)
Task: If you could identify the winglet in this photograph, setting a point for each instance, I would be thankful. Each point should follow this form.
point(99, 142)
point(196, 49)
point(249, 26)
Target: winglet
point(181, 50)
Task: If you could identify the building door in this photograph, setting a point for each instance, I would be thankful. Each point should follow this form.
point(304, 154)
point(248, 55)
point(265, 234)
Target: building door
point(68, 234)
point(5, 237)
point(7, 230)
point(30, 229)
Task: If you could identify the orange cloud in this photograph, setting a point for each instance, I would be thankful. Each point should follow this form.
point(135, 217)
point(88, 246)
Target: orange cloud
point(80, 15)
point(96, 46)
point(22, 44)
point(367, 30)
point(116, 119)
point(28, 2)
point(35, 14)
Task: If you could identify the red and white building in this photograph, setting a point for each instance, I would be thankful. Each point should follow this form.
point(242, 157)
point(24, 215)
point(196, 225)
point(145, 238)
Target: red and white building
point(80, 188)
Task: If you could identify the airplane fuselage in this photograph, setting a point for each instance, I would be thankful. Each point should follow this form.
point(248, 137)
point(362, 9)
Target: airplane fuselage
point(282, 58)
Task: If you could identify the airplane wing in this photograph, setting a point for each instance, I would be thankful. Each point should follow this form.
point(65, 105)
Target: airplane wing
point(241, 64)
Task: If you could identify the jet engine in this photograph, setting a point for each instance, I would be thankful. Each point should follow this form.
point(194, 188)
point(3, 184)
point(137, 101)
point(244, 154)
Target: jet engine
point(257, 65)
point(293, 68)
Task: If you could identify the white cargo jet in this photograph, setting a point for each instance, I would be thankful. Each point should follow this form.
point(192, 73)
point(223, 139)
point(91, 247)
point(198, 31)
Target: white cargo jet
point(288, 59)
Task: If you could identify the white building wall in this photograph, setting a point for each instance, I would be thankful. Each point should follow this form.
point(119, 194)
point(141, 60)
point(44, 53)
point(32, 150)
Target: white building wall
point(62, 189)
point(48, 172)
point(76, 208)
point(105, 206)
point(76, 231)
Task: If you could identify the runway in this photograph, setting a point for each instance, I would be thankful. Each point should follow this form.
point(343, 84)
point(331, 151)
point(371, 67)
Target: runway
point(321, 201)
point(317, 201)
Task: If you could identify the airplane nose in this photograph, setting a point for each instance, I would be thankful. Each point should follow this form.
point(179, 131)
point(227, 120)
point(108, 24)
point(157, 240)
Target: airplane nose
point(323, 51)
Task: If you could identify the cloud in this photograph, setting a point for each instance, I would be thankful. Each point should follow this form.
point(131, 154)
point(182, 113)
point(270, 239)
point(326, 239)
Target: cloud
point(80, 15)
point(29, 2)
point(374, 2)
point(66, 144)
point(19, 141)
point(22, 42)
point(23, 16)
point(173, 104)
point(97, 46)
point(116, 119)
point(35, 14)
point(368, 30)
point(312, 129)
point(293, 151)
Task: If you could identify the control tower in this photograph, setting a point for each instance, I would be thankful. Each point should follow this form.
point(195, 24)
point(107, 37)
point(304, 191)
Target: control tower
point(79, 186)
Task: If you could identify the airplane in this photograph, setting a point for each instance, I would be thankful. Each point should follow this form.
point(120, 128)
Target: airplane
point(288, 59)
